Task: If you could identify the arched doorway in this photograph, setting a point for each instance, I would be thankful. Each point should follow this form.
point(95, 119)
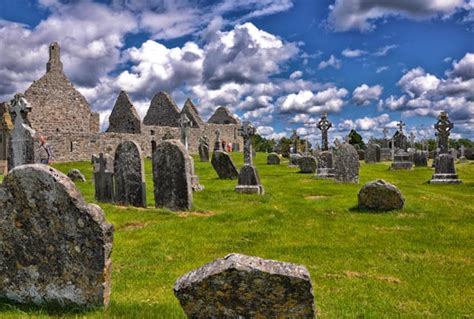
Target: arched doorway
point(153, 147)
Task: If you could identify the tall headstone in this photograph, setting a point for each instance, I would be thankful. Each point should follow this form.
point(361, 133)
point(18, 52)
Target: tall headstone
point(249, 180)
point(445, 171)
point(240, 286)
point(203, 148)
point(372, 153)
point(55, 247)
point(346, 166)
point(184, 124)
point(21, 140)
point(103, 177)
point(218, 141)
point(462, 158)
point(385, 153)
point(129, 175)
point(443, 129)
point(172, 176)
point(324, 125)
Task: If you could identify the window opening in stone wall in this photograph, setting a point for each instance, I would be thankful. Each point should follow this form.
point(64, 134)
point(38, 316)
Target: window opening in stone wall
point(71, 147)
point(152, 132)
point(153, 147)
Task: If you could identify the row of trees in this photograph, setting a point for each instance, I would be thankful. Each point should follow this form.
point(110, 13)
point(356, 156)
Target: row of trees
point(262, 144)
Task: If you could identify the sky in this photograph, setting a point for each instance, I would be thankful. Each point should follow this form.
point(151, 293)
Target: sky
point(280, 64)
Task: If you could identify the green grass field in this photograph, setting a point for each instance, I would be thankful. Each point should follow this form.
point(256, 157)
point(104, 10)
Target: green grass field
point(418, 262)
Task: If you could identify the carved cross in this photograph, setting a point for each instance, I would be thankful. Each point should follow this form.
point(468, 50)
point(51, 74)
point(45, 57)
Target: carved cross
point(385, 133)
point(400, 126)
point(443, 128)
point(247, 131)
point(324, 125)
point(294, 137)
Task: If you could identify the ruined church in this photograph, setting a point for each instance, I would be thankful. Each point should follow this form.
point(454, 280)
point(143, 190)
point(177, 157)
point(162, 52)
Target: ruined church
point(64, 117)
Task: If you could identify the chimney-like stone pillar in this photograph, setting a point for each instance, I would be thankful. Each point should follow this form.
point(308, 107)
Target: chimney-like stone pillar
point(54, 64)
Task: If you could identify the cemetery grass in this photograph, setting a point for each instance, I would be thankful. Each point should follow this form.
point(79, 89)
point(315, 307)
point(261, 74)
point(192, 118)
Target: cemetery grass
point(415, 262)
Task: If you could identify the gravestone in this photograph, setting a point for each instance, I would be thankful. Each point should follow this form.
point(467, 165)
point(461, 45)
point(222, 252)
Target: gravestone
point(346, 166)
point(380, 195)
point(385, 153)
point(273, 159)
point(294, 156)
point(184, 124)
point(129, 175)
point(372, 153)
point(361, 154)
point(307, 164)
point(400, 141)
point(294, 159)
point(218, 141)
point(203, 148)
point(21, 139)
point(324, 125)
point(172, 176)
point(462, 158)
point(103, 177)
point(420, 158)
point(402, 160)
point(325, 165)
point(445, 171)
point(454, 153)
point(240, 286)
point(76, 175)
point(223, 165)
point(443, 129)
point(55, 248)
point(249, 180)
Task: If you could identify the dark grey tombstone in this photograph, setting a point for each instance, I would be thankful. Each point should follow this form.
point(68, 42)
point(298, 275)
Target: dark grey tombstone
point(240, 286)
point(172, 176)
point(223, 165)
point(307, 164)
point(346, 166)
point(294, 158)
point(325, 165)
point(273, 159)
point(401, 160)
point(203, 149)
point(21, 138)
point(443, 129)
point(420, 158)
point(103, 177)
point(361, 154)
point(129, 175)
point(371, 153)
point(445, 171)
point(55, 248)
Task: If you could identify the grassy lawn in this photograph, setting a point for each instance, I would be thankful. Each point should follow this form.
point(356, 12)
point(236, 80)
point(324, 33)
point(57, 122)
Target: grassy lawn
point(416, 262)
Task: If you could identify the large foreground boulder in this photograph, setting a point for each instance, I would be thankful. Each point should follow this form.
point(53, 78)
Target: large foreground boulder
point(380, 195)
point(240, 286)
point(54, 247)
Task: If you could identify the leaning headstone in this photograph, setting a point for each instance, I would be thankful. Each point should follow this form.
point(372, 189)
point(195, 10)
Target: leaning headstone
point(346, 166)
point(129, 175)
point(55, 248)
point(445, 171)
point(203, 148)
point(307, 164)
point(273, 159)
point(240, 286)
point(103, 177)
point(249, 180)
point(21, 139)
point(380, 195)
point(420, 158)
point(223, 165)
point(76, 175)
point(325, 165)
point(172, 176)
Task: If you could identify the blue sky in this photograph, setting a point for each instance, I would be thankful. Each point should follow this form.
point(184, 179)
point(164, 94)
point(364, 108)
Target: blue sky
point(277, 63)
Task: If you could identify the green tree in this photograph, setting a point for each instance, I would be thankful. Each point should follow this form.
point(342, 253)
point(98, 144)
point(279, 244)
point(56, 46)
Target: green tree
point(356, 139)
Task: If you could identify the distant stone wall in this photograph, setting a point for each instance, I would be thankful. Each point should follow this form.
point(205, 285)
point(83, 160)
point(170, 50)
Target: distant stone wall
point(70, 147)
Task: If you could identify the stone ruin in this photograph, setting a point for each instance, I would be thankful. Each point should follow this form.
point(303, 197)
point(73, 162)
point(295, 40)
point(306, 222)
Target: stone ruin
point(55, 248)
point(63, 115)
point(240, 286)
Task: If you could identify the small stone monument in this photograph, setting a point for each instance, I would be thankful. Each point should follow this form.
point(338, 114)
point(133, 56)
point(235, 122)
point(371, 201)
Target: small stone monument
point(203, 148)
point(443, 129)
point(21, 140)
point(325, 165)
point(324, 125)
point(172, 176)
point(454, 153)
point(294, 156)
point(240, 286)
point(420, 158)
point(55, 248)
point(402, 160)
point(385, 153)
point(307, 164)
point(273, 159)
point(184, 124)
point(249, 180)
point(462, 158)
point(129, 175)
point(103, 177)
point(346, 166)
point(445, 171)
point(380, 195)
point(372, 153)
point(218, 142)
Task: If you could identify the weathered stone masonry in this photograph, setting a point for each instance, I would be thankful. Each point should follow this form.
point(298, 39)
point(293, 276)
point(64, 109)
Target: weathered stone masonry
point(63, 115)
